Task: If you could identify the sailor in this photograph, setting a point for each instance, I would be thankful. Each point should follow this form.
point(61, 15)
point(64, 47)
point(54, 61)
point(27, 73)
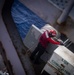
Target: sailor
point(44, 40)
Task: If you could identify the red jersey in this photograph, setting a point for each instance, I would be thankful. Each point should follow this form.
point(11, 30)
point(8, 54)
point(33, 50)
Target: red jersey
point(45, 39)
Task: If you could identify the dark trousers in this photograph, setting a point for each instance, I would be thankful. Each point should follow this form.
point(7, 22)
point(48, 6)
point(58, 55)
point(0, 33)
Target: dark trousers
point(39, 50)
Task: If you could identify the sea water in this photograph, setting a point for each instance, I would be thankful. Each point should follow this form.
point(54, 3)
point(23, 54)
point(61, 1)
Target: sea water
point(24, 18)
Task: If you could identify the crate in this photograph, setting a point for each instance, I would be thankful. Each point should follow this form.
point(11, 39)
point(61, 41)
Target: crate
point(63, 60)
point(50, 70)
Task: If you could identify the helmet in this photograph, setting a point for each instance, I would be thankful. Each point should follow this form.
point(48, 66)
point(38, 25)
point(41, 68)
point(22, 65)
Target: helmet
point(52, 33)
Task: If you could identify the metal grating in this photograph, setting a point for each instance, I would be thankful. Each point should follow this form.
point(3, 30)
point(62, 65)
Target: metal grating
point(61, 4)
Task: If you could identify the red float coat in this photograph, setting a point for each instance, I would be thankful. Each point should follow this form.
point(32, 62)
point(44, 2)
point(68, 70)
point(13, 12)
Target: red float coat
point(45, 39)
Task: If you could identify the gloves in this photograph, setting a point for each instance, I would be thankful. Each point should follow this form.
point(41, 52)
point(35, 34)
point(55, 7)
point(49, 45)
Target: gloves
point(59, 40)
point(61, 43)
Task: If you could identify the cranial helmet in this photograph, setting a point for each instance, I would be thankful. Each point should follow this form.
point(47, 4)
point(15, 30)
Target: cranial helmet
point(52, 33)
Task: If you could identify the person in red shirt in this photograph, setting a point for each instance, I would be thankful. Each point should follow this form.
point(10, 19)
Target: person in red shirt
point(44, 40)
